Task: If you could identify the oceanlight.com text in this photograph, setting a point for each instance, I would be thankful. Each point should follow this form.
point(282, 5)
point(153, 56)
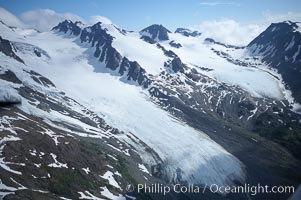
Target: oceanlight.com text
point(213, 188)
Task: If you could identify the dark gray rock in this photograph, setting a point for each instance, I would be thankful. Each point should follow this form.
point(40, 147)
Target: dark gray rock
point(188, 33)
point(168, 53)
point(176, 65)
point(37, 53)
point(156, 32)
point(148, 39)
point(106, 53)
point(8, 49)
point(280, 47)
point(174, 44)
point(222, 44)
point(68, 25)
point(10, 76)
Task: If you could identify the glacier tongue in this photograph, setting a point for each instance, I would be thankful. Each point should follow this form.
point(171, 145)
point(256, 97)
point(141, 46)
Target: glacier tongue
point(128, 108)
point(178, 145)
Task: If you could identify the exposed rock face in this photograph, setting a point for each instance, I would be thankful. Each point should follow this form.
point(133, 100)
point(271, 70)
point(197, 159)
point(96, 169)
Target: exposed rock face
point(156, 32)
point(188, 33)
point(98, 37)
point(280, 47)
point(176, 65)
point(148, 39)
point(251, 128)
point(222, 44)
point(175, 45)
point(8, 49)
point(135, 72)
point(68, 25)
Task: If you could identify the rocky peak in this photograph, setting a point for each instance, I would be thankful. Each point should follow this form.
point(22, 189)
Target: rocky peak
point(277, 34)
point(68, 25)
point(97, 36)
point(96, 33)
point(156, 32)
point(280, 47)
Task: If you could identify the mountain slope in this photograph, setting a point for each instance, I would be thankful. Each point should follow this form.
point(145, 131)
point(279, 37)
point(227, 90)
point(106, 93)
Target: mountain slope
point(280, 47)
point(155, 32)
point(151, 103)
point(65, 56)
point(48, 136)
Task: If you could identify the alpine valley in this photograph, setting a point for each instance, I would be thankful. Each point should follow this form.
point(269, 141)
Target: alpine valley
point(86, 110)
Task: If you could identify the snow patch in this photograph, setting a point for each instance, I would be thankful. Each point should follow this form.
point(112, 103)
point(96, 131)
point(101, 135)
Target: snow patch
point(109, 176)
point(3, 163)
point(87, 170)
point(110, 195)
point(56, 163)
point(143, 168)
point(87, 195)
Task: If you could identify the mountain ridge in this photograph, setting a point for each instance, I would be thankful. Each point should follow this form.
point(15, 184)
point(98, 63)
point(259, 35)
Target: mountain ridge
point(182, 94)
point(279, 46)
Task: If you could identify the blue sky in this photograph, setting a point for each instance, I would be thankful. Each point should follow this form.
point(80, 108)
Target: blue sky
point(137, 14)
